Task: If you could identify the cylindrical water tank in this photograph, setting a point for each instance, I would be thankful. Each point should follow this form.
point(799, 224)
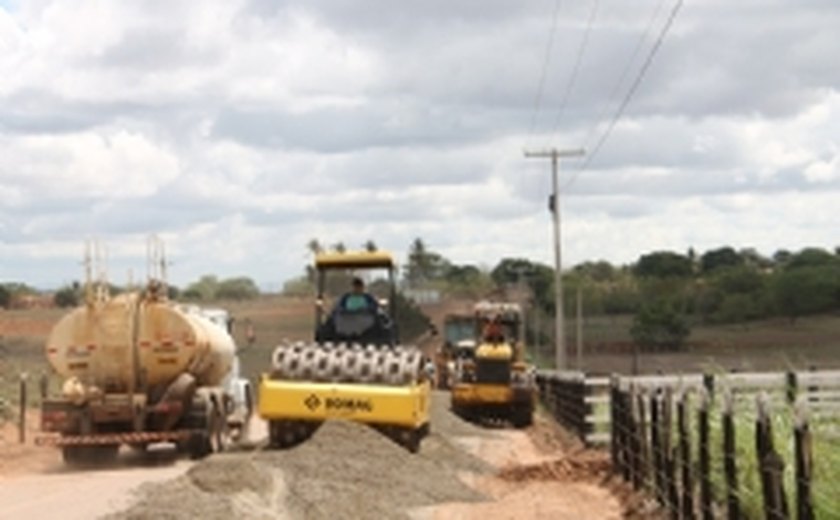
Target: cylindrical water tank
point(117, 343)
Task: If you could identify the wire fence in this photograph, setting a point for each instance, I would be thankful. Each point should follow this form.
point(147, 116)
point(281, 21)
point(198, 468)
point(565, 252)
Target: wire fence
point(758, 445)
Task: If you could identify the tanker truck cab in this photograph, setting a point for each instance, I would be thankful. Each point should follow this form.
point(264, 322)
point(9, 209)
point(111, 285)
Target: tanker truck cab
point(139, 370)
point(239, 394)
point(356, 369)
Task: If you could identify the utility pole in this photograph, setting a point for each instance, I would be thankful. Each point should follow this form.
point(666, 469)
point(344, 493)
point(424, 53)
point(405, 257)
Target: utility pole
point(554, 154)
point(579, 329)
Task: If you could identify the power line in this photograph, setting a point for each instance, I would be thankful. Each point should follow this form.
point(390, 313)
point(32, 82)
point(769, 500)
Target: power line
point(634, 87)
point(576, 68)
point(613, 95)
point(546, 59)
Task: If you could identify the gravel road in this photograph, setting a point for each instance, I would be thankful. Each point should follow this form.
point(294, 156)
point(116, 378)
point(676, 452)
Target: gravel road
point(345, 470)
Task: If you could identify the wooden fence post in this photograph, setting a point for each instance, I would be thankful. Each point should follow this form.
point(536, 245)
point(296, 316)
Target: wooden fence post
point(634, 446)
point(770, 464)
point(730, 468)
point(23, 406)
point(621, 463)
point(656, 445)
point(804, 464)
point(791, 387)
point(641, 439)
point(625, 430)
point(670, 480)
point(704, 457)
point(685, 457)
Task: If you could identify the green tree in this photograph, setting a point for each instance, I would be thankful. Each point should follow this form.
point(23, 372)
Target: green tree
point(314, 246)
point(67, 296)
point(5, 297)
point(538, 277)
point(812, 257)
point(719, 258)
point(600, 271)
point(424, 265)
point(663, 264)
point(658, 325)
point(241, 288)
point(204, 289)
point(370, 246)
point(806, 290)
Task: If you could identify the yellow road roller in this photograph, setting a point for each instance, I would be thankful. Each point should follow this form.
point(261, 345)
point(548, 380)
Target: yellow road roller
point(355, 369)
point(491, 381)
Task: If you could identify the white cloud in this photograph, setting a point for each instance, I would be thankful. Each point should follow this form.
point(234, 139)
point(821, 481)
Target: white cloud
point(239, 130)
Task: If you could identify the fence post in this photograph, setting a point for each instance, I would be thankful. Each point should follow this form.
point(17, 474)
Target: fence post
point(615, 430)
point(685, 457)
point(673, 502)
point(671, 480)
point(770, 464)
point(709, 383)
point(791, 387)
point(704, 457)
point(624, 433)
point(804, 463)
point(641, 439)
point(23, 406)
point(733, 506)
point(656, 445)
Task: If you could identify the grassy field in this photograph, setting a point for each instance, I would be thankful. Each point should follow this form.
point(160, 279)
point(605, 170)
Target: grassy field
point(825, 436)
point(764, 345)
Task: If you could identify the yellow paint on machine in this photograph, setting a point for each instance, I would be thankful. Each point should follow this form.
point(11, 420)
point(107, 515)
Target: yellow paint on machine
point(477, 393)
point(500, 351)
point(406, 406)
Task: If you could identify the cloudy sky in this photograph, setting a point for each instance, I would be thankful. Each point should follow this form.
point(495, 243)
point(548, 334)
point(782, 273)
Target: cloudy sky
point(239, 129)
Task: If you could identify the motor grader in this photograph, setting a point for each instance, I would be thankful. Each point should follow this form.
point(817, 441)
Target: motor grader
point(355, 369)
point(491, 380)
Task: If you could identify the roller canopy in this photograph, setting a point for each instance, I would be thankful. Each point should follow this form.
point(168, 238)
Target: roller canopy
point(354, 260)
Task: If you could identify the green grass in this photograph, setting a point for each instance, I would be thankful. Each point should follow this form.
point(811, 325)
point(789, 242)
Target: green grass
point(826, 459)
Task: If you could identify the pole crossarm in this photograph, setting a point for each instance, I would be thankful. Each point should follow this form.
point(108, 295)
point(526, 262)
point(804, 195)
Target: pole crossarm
point(554, 152)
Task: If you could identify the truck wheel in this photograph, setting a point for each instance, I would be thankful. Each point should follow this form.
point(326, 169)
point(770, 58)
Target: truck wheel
point(216, 429)
point(199, 446)
point(522, 417)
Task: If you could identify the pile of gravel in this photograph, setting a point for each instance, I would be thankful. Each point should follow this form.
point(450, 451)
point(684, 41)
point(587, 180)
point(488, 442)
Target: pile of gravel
point(348, 470)
point(345, 470)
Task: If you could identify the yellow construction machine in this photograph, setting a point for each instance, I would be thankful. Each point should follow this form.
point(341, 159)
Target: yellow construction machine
point(356, 369)
point(491, 379)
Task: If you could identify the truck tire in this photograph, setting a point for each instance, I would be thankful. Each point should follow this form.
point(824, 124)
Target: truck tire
point(522, 417)
point(198, 446)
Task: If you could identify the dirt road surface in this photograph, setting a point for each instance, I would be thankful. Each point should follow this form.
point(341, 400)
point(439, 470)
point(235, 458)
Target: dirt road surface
point(345, 470)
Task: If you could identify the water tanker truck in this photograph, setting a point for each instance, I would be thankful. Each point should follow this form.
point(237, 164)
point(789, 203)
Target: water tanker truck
point(137, 370)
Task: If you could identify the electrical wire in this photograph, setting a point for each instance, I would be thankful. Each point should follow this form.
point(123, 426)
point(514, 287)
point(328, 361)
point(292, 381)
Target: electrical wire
point(576, 67)
point(633, 88)
point(613, 95)
point(546, 59)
